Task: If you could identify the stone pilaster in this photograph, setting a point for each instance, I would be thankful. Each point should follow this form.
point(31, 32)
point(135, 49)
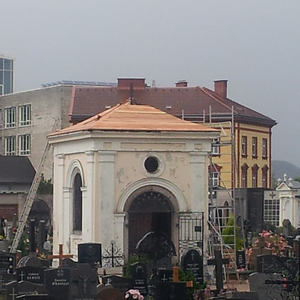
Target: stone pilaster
point(106, 197)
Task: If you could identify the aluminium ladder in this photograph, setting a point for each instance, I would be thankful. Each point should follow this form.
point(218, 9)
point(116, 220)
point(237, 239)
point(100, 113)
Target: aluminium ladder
point(29, 200)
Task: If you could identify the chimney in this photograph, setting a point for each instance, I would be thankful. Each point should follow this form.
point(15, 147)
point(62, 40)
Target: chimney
point(131, 83)
point(221, 88)
point(181, 83)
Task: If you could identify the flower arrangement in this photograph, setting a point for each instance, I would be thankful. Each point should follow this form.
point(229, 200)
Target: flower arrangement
point(134, 294)
point(267, 243)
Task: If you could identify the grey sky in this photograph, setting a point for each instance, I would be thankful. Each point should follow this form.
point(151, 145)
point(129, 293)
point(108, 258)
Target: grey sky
point(255, 44)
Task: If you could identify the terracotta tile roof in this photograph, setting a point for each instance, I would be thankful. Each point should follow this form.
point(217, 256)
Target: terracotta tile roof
point(193, 102)
point(130, 117)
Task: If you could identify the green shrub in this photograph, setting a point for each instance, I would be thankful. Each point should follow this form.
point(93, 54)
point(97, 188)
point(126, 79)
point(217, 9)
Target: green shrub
point(228, 234)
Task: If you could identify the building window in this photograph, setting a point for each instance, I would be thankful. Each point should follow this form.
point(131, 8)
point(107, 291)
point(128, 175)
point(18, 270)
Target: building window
point(264, 148)
point(77, 203)
point(24, 115)
point(10, 117)
point(6, 76)
point(254, 175)
point(215, 179)
point(10, 145)
point(215, 147)
point(24, 144)
point(244, 146)
point(271, 211)
point(254, 147)
point(264, 176)
point(214, 175)
point(244, 176)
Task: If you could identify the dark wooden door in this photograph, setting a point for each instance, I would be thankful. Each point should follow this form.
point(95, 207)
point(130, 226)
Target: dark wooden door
point(142, 223)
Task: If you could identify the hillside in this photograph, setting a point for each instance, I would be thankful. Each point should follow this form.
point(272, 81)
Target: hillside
point(280, 167)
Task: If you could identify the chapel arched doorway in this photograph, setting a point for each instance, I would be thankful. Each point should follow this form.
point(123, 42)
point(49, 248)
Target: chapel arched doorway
point(150, 209)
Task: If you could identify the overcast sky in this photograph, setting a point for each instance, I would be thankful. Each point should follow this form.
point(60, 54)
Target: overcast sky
point(255, 44)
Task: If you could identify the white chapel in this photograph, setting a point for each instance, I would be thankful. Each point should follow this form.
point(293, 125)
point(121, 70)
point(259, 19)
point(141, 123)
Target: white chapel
point(125, 169)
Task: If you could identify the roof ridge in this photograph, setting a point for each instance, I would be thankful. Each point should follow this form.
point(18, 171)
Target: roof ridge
point(207, 92)
point(243, 106)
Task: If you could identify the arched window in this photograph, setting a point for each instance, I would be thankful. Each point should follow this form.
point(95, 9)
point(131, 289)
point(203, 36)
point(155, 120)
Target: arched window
point(264, 176)
point(254, 175)
point(77, 203)
point(244, 175)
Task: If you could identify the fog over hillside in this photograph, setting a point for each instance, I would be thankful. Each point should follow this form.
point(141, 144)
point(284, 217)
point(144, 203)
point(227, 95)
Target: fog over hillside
point(281, 167)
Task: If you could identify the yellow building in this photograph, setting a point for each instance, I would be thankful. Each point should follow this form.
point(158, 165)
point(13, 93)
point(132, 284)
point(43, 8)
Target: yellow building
point(248, 166)
point(243, 156)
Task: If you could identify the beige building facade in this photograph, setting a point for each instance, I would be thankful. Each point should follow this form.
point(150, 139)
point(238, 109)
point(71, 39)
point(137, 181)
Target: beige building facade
point(132, 173)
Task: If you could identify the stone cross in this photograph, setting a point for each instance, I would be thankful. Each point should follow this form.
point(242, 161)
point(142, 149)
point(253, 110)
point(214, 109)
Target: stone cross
point(60, 256)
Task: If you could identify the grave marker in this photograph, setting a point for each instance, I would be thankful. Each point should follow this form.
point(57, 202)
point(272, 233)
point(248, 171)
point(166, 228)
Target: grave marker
point(31, 274)
point(241, 259)
point(60, 255)
point(265, 291)
point(192, 262)
point(138, 274)
point(58, 283)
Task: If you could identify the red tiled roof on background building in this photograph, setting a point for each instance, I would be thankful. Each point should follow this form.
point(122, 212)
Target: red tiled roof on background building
point(192, 103)
point(130, 117)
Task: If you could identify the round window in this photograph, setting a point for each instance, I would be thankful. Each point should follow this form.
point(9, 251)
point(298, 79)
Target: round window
point(151, 164)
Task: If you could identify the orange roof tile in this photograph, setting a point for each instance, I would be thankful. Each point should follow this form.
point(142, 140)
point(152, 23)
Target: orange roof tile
point(129, 117)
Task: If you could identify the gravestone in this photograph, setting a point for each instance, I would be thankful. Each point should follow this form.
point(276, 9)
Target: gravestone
point(192, 262)
point(172, 291)
point(265, 291)
point(90, 253)
point(165, 276)
point(138, 275)
point(84, 282)
point(58, 283)
point(31, 274)
point(109, 293)
point(118, 282)
point(241, 259)
point(15, 289)
point(270, 263)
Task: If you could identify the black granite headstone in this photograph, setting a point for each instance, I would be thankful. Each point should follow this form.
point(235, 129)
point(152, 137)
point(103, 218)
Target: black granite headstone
point(58, 283)
point(270, 263)
point(138, 274)
point(241, 259)
point(15, 289)
point(32, 274)
point(172, 291)
point(192, 262)
point(165, 276)
point(90, 253)
point(84, 282)
point(118, 282)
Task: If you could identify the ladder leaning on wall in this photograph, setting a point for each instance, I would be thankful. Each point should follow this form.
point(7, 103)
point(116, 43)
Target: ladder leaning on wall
point(31, 196)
